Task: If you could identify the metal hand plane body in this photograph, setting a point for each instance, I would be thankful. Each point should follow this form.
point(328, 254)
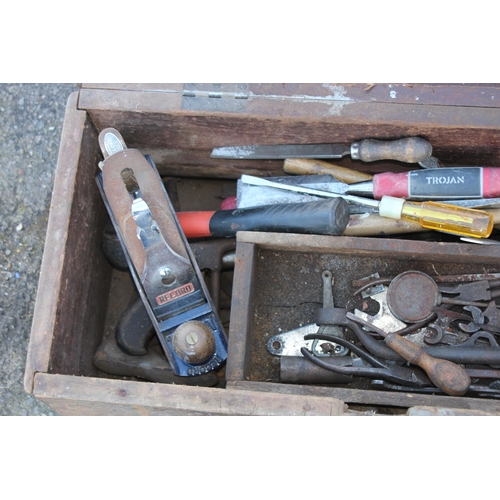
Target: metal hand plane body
point(163, 267)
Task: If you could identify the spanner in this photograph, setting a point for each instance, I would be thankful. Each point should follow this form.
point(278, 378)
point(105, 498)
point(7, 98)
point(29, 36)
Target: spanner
point(290, 343)
point(328, 302)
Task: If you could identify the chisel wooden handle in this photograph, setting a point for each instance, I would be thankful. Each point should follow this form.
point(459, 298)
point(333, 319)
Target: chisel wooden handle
point(409, 150)
point(447, 376)
point(303, 166)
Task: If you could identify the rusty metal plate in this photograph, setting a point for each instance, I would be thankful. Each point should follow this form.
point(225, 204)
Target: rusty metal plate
point(412, 296)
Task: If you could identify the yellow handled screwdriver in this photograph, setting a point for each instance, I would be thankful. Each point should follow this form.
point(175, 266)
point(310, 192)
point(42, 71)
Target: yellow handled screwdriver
point(430, 215)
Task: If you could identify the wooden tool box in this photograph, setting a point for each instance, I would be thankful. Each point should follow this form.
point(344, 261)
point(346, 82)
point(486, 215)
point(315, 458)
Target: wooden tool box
point(178, 125)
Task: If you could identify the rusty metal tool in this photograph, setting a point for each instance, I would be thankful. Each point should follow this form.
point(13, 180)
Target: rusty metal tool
point(467, 352)
point(408, 150)
point(328, 302)
point(430, 215)
point(290, 343)
point(477, 290)
point(413, 295)
point(384, 318)
point(438, 331)
point(163, 266)
point(378, 369)
point(488, 320)
point(447, 376)
point(152, 365)
point(446, 278)
point(473, 391)
point(298, 370)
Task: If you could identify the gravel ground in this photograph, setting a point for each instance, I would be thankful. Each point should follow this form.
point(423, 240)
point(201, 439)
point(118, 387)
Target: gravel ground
point(31, 119)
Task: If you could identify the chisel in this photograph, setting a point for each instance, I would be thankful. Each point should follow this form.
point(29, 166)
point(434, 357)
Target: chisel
point(408, 150)
point(438, 216)
point(433, 184)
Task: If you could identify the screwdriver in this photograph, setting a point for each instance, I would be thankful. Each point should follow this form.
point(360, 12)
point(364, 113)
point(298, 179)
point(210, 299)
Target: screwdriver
point(430, 215)
point(409, 150)
point(446, 375)
point(431, 184)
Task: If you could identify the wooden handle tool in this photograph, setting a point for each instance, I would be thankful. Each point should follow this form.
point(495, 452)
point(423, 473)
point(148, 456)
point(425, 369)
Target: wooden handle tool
point(304, 166)
point(447, 376)
point(408, 150)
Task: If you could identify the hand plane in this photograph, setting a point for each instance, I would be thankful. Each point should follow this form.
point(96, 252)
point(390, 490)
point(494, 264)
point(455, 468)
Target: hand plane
point(162, 264)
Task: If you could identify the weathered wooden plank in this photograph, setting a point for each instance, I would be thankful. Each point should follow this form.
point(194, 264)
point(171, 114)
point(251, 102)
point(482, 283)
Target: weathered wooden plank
point(86, 274)
point(374, 247)
point(237, 367)
point(429, 411)
point(146, 87)
point(451, 94)
point(51, 277)
point(71, 300)
point(156, 120)
point(70, 395)
point(373, 398)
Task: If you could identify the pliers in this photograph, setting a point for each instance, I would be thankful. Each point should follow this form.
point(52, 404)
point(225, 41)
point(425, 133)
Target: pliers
point(411, 377)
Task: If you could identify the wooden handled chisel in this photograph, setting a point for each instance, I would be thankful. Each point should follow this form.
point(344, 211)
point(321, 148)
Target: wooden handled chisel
point(408, 150)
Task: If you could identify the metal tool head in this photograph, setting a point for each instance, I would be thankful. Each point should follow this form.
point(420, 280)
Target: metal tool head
point(289, 343)
point(111, 142)
point(412, 296)
point(384, 319)
point(281, 151)
point(253, 196)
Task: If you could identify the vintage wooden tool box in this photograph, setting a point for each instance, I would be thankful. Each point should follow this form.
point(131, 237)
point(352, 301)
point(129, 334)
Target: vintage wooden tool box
point(81, 296)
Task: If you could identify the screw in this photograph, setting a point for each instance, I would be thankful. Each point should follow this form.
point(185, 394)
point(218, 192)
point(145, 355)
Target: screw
point(339, 349)
point(167, 276)
point(192, 338)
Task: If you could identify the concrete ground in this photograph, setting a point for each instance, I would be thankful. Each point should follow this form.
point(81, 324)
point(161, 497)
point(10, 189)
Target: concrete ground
point(31, 119)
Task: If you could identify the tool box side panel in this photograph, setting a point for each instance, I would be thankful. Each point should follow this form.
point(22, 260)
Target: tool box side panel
point(70, 395)
point(183, 136)
point(237, 367)
point(86, 274)
point(379, 399)
point(71, 298)
point(46, 305)
point(400, 249)
point(443, 94)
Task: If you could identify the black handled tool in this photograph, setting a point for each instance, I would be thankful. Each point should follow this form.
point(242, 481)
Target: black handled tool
point(408, 150)
point(320, 217)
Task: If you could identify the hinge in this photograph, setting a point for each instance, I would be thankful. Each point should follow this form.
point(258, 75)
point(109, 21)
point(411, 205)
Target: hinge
point(217, 97)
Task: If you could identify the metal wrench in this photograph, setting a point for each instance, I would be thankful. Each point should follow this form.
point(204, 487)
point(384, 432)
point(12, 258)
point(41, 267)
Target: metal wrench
point(290, 343)
point(328, 302)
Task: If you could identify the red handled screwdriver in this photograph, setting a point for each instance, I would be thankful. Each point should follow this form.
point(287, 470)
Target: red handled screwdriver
point(444, 183)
